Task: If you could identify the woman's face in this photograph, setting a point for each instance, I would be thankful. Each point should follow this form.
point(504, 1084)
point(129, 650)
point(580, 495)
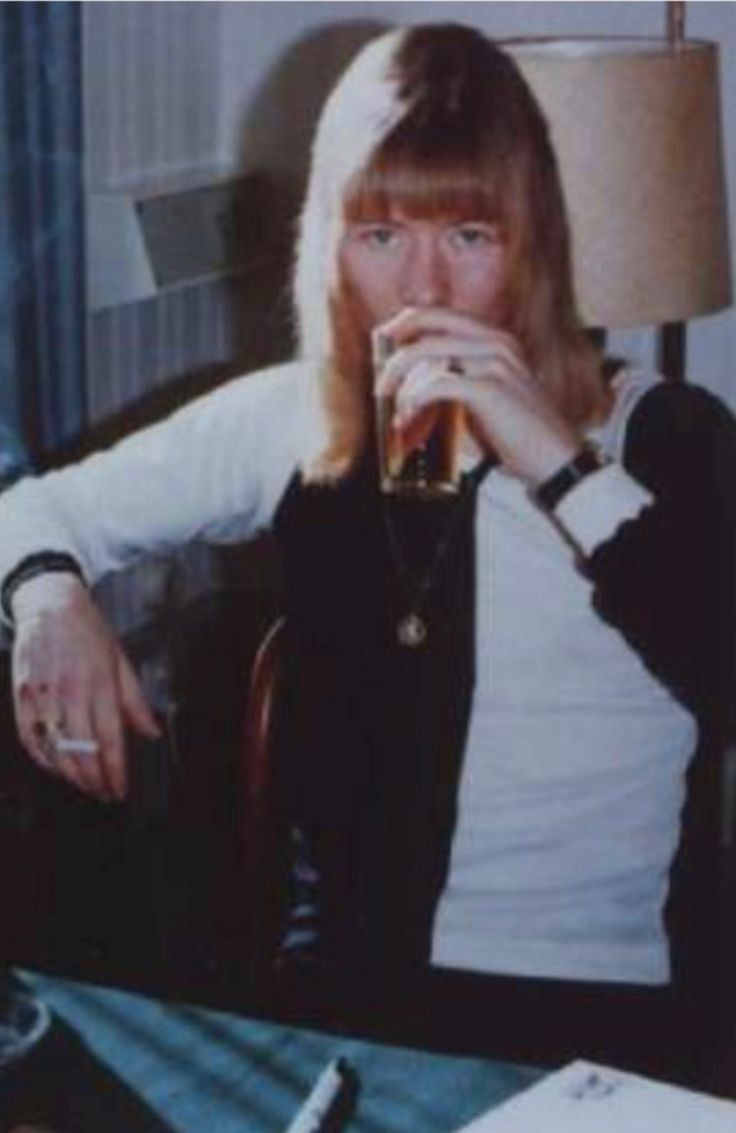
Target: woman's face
point(389, 265)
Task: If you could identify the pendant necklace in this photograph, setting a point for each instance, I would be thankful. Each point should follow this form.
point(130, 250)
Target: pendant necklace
point(412, 629)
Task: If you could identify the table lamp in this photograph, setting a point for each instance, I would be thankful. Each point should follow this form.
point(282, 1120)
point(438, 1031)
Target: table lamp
point(636, 125)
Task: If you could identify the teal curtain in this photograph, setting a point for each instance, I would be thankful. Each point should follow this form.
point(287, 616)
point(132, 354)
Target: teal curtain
point(42, 297)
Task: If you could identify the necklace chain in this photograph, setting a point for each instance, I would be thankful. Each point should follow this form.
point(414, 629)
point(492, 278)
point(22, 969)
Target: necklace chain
point(411, 629)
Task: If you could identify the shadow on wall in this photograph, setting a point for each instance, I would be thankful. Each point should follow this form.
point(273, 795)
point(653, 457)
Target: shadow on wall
point(277, 132)
point(276, 138)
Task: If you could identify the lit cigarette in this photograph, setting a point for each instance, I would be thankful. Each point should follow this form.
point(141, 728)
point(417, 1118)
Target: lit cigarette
point(64, 746)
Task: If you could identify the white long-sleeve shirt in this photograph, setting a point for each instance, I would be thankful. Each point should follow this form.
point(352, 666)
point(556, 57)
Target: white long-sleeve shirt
point(573, 774)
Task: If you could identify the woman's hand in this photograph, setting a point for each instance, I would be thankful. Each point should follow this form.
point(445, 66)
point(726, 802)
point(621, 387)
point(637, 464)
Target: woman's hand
point(440, 355)
point(72, 682)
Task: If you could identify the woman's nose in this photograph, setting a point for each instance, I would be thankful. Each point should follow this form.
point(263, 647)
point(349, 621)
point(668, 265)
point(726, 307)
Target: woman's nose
point(424, 282)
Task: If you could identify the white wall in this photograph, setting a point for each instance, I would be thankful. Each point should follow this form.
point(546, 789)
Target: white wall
point(259, 41)
point(279, 59)
point(152, 94)
point(176, 88)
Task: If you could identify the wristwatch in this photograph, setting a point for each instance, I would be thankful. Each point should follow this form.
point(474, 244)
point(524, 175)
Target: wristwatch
point(552, 491)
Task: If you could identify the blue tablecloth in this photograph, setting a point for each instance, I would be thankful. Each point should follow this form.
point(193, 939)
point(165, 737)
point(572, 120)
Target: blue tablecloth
point(192, 1066)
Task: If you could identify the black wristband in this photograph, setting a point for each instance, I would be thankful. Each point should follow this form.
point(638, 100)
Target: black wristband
point(42, 562)
point(553, 490)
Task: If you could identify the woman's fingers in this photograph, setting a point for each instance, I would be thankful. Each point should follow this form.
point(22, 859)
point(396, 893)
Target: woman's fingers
point(136, 710)
point(55, 726)
point(48, 739)
point(416, 322)
point(508, 414)
point(74, 747)
point(31, 731)
point(474, 357)
point(79, 739)
point(107, 726)
point(414, 429)
point(428, 382)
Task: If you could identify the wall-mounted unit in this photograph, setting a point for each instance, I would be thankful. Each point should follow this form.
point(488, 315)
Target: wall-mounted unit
point(148, 239)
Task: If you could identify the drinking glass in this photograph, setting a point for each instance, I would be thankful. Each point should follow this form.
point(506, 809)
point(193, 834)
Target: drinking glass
point(425, 470)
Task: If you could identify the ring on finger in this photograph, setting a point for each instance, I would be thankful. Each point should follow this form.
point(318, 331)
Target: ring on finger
point(48, 732)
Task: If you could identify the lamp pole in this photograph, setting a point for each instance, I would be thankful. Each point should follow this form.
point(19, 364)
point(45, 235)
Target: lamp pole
point(676, 23)
point(672, 339)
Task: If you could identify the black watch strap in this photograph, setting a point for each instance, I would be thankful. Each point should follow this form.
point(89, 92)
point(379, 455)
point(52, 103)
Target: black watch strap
point(41, 562)
point(553, 490)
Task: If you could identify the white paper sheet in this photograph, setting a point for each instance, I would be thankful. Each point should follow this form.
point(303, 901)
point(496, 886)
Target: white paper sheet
point(585, 1098)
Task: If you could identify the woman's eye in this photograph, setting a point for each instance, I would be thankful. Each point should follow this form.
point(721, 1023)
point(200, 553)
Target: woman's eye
point(475, 236)
point(380, 237)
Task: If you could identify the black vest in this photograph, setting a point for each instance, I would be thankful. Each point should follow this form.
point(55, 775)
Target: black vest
point(376, 730)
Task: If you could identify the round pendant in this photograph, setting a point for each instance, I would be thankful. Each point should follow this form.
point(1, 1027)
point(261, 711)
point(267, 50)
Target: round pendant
point(412, 631)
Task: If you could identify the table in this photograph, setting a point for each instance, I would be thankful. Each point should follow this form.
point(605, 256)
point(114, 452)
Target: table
point(184, 1069)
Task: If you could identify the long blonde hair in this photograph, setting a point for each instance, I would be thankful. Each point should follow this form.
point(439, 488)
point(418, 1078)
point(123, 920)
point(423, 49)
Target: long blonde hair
point(437, 120)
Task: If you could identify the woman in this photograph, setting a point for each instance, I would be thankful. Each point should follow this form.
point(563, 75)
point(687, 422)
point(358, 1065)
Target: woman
point(503, 795)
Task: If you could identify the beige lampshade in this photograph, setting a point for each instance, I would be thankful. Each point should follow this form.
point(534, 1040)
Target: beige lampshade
point(636, 126)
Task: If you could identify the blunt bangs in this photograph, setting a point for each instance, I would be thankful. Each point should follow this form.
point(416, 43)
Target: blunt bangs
point(428, 186)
